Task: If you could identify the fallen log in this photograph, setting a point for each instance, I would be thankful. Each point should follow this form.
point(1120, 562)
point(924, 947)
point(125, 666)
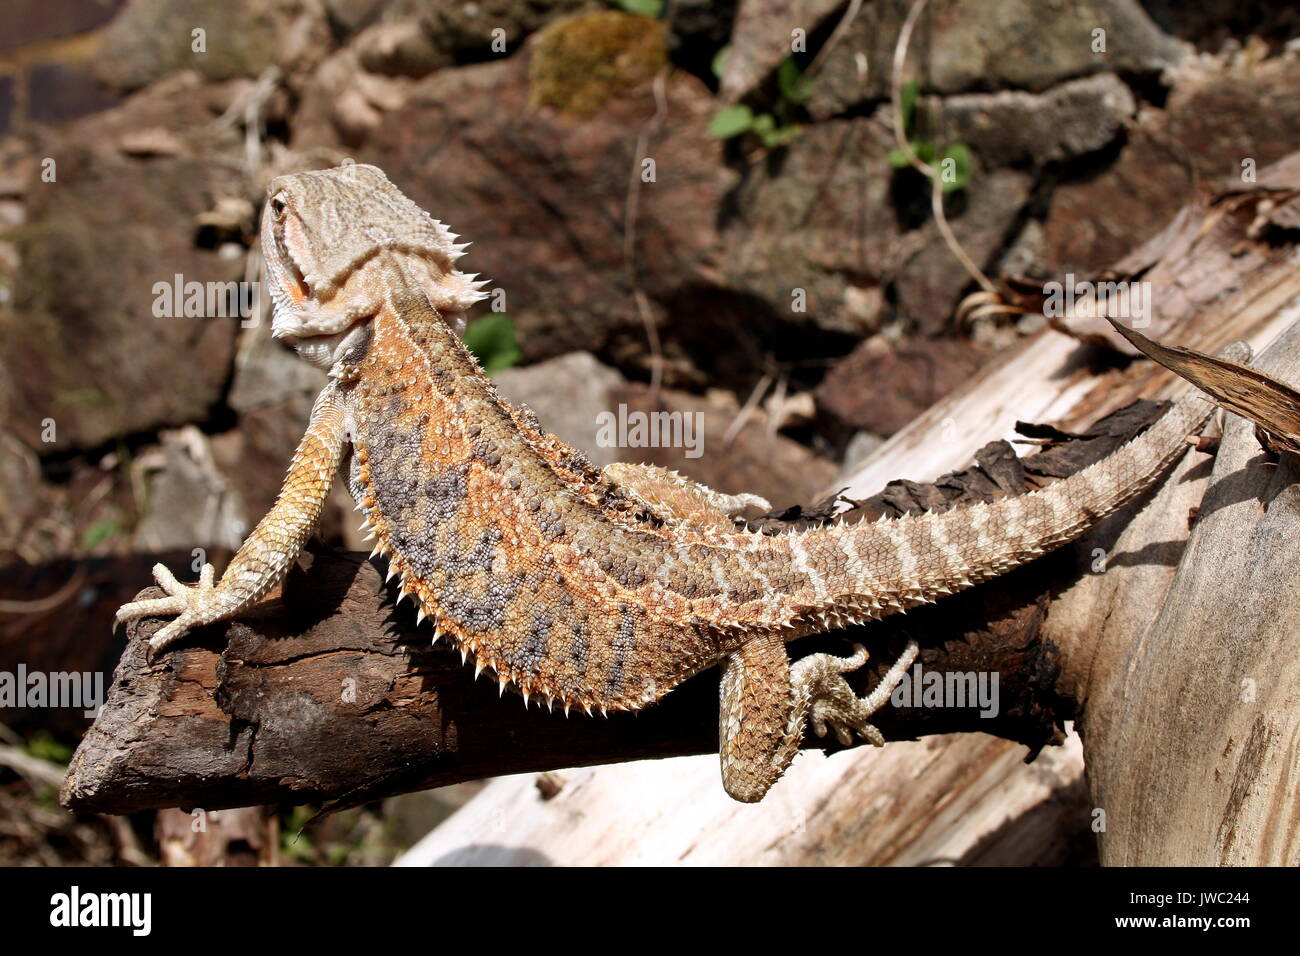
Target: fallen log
point(331, 693)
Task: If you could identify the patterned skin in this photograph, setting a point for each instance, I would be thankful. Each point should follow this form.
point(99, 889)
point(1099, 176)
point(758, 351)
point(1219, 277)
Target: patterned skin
point(600, 589)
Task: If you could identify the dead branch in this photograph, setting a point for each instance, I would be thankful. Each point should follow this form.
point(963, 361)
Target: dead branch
point(331, 694)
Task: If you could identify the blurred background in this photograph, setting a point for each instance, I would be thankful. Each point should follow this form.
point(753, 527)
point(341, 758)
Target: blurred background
point(690, 206)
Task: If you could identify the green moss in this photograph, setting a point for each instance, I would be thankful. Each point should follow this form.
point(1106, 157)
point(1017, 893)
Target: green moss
point(581, 62)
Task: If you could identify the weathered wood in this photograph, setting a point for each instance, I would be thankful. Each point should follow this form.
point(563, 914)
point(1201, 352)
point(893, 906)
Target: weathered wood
point(332, 694)
point(1192, 729)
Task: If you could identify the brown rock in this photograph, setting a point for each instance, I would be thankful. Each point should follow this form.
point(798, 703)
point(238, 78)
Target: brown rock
point(757, 460)
point(930, 281)
point(543, 196)
point(1216, 116)
point(881, 391)
point(152, 38)
point(1013, 126)
point(815, 223)
point(189, 502)
point(28, 21)
point(82, 347)
point(63, 91)
point(970, 45)
point(762, 38)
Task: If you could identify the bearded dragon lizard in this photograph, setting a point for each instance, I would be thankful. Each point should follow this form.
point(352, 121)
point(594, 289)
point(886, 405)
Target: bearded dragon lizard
point(598, 589)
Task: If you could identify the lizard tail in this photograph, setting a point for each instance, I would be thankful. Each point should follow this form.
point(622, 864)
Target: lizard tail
point(863, 571)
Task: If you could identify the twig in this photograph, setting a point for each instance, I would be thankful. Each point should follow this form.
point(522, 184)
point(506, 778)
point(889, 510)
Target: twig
point(50, 601)
point(747, 409)
point(34, 770)
point(841, 28)
point(900, 136)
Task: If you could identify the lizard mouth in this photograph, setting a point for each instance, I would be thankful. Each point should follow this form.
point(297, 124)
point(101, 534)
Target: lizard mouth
point(300, 289)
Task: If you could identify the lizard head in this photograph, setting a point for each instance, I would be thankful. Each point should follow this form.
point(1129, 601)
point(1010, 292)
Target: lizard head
point(331, 239)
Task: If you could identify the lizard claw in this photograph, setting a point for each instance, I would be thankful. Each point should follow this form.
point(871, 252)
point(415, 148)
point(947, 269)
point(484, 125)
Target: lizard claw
point(832, 702)
point(191, 605)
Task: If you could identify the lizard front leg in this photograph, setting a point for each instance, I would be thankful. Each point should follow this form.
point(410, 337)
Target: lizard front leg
point(264, 558)
point(766, 703)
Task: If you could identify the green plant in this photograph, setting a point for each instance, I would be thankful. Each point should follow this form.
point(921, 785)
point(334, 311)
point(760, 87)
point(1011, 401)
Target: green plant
point(492, 340)
point(99, 532)
point(772, 129)
point(42, 745)
point(951, 163)
point(645, 8)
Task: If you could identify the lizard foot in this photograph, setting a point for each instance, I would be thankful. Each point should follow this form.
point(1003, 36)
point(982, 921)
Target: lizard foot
point(191, 605)
point(819, 678)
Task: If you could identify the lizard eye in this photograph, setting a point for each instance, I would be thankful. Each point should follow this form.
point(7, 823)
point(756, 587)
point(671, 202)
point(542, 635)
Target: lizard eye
point(277, 207)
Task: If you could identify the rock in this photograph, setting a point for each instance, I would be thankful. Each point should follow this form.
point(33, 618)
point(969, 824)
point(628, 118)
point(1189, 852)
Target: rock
point(30, 21)
point(1201, 136)
point(88, 354)
point(21, 490)
point(757, 460)
point(62, 91)
point(763, 36)
point(465, 29)
point(880, 391)
point(568, 393)
point(267, 373)
point(344, 103)
point(151, 38)
point(189, 502)
point(349, 17)
point(970, 45)
point(1014, 127)
point(861, 446)
point(466, 147)
point(402, 48)
point(819, 230)
point(814, 230)
point(579, 63)
point(930, 281)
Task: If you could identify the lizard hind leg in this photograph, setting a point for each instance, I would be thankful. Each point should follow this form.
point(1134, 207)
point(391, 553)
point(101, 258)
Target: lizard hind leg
point(766, 704)
point(677, 498)
point(760, 724)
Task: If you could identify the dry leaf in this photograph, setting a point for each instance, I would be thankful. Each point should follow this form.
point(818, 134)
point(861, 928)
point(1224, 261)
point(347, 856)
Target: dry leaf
point(1272, 405)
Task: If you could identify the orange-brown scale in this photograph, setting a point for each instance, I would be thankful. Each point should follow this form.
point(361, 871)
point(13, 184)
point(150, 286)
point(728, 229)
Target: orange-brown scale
point(496, 563)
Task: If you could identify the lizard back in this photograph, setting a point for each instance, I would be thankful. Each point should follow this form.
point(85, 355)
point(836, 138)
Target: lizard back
point(503, 534)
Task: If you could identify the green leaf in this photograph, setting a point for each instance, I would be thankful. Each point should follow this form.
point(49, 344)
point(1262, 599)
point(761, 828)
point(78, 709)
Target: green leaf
point(898, 158)
point(907, 102)
point(100, 531)
point(959, 154)
point(644, 8)
point(731, 121)
point(773, 134)
point(719, 61)
point(42, 745)
point(791, 81)
point(492, 340)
